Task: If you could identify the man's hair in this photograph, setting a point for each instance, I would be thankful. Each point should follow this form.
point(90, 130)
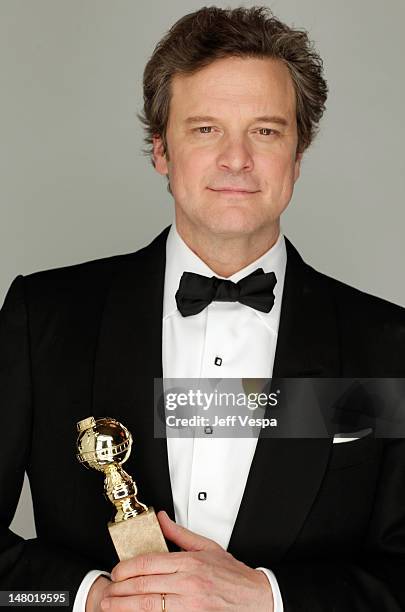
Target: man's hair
point(198, 39)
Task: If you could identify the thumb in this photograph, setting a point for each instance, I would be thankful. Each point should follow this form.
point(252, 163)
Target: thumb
point(184, 538)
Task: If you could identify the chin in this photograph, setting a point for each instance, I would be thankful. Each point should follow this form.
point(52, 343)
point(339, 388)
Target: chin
point(233, 224)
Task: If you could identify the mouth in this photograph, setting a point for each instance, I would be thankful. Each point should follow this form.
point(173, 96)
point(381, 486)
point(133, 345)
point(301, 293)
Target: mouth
point(233, 191)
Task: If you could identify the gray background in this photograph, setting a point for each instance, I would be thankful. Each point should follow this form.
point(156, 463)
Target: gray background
point(74, 185)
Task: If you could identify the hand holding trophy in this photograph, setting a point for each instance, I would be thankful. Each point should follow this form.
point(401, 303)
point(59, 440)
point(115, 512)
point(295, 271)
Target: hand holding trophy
point(104, 444)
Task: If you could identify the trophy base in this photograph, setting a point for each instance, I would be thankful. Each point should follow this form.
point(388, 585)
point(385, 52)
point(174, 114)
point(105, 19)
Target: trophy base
point(137, 535)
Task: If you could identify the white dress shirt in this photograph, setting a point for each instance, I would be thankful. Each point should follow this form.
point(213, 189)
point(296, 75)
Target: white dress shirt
point(244, 340)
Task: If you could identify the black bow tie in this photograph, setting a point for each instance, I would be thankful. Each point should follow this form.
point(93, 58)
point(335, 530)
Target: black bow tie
point(195, 291)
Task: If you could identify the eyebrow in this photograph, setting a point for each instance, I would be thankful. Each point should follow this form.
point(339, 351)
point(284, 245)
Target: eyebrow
point(261, 119)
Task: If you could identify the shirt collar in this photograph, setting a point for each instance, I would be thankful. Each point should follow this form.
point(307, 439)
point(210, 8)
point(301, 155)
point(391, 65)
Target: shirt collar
point(180, 258)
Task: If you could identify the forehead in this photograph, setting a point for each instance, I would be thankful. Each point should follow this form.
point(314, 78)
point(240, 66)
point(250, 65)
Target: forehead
point(243, 85)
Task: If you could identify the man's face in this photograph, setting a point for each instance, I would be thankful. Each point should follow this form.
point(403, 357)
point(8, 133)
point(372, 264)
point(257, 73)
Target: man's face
point(232, 141)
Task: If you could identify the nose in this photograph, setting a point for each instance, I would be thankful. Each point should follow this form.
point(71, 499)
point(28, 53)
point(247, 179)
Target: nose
point(235, 156)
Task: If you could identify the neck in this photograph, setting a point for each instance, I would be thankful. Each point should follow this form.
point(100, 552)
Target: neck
point(227, 254)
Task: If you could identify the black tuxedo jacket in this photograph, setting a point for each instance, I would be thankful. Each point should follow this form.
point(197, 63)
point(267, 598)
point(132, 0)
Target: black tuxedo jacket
point(329, 520)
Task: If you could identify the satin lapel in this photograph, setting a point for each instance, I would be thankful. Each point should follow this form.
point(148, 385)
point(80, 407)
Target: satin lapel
point(286, 474)
point(129, 357)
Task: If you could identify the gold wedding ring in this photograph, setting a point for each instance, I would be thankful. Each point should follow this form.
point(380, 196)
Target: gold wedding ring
point(163, 596)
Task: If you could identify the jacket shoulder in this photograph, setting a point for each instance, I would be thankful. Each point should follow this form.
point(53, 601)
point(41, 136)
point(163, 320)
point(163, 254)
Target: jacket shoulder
point(358, 303)
point(371, 330)
point(90, 276)
point(348, 301)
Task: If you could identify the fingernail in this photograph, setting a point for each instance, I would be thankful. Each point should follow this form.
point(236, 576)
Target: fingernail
point(105, 604)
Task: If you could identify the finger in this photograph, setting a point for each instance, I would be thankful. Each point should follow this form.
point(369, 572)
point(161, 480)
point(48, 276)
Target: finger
point(149, 563)
point(186, 539)
point(142, 585)
point(152, 602)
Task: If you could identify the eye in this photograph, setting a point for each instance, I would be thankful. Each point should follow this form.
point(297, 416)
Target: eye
point(268, 131)
point(205, 129)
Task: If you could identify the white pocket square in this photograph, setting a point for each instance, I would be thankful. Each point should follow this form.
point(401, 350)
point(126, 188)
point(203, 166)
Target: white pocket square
point(352, 436)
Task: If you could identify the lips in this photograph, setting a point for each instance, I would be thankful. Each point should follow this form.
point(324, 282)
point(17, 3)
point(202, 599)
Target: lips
point(231, 190)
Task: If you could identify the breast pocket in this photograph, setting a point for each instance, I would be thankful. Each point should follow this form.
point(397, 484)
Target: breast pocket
point(347, 454)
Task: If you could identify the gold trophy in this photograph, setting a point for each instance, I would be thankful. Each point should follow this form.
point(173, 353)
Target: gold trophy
point(104, 445)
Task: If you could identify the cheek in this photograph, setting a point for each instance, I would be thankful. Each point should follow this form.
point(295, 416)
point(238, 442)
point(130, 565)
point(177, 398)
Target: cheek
point(189, 171)
point(277, 174)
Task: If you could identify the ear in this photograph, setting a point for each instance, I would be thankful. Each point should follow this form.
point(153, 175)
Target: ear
point(297, 166)
point(159, 157)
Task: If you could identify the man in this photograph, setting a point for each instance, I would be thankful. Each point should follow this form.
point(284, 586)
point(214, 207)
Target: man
point(232, 100)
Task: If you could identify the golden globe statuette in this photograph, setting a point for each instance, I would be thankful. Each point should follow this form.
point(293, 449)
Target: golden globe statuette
point(105, 444)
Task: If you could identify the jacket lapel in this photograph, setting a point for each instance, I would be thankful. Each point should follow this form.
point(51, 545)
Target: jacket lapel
point(129, 357)
point(286, 474)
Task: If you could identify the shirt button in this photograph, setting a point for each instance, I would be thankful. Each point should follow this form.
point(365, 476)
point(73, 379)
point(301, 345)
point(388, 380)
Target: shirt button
point(202, 495)
point(208, 429)
point(218, 361)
